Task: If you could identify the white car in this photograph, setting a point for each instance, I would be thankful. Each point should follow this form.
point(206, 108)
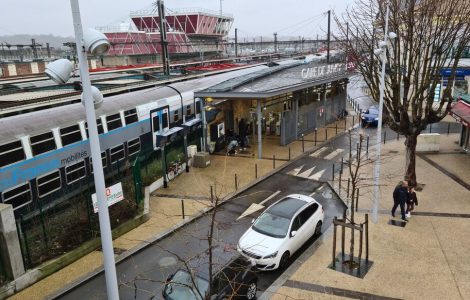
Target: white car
point(281, 230)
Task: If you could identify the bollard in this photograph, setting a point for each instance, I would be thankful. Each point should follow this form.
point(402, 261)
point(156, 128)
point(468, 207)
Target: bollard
point(339, 184)
point(357, 150)
point(357, 198)
point(326, 133)
point(303, 146)
point(448, 128)
point(315, 136)
point(334, 242)
point(336, 128)
point(367, 147)
point(236, 182)
point(353, 121)
point(345, 123)
point(182, 208)
point(289, 153)
point(212, 195)
point(256, 171)
point(274, 161)
point(430, 128)
point(367, 237)
point(333, 174)
point(385, 135)
point(341, 167)
point(343, 235)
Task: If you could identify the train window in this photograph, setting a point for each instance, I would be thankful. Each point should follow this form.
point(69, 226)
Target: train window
point(198, 107)
point(103, 161)
point(117, 153)
point(42, 143)
point(188, 110)
point(75, 172)
point(11, 153)
point(70, 135)
point(130, 116)
point(98, 124)
point(156, 124)
point(176, 115)
point(18, 196)
point(165, 120)
point(49, 183)
point(113, 121)
point(133, 146)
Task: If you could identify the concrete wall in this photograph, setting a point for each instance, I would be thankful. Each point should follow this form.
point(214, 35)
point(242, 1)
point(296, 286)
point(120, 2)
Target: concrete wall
point(9, 243)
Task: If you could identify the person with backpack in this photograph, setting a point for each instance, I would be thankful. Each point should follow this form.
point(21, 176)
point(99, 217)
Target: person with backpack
point(412, 201)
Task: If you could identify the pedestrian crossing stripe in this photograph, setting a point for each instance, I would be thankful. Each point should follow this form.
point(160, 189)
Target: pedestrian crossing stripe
point(317, 153)
point(333, 154)
point(307, 173)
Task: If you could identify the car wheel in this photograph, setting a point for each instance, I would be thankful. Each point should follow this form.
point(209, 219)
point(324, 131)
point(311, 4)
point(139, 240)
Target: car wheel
point(318, 229)
point(251, 291)
point(284, 260)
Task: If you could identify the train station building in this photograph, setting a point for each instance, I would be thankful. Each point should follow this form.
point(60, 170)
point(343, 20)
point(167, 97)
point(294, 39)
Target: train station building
point(281, 102)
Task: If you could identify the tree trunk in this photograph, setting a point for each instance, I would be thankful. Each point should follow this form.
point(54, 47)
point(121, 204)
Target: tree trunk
point(410, 167)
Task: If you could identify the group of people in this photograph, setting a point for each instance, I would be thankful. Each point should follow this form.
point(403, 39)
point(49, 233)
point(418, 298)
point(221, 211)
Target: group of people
point(404, 195)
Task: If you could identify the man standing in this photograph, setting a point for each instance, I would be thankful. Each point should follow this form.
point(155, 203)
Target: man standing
point(400, 197)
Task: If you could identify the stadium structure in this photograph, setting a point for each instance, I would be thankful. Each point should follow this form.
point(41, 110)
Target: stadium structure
point(192, 32)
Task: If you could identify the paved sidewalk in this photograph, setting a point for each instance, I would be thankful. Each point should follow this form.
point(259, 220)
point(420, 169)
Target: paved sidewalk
point(427, 259)
point(194, 189)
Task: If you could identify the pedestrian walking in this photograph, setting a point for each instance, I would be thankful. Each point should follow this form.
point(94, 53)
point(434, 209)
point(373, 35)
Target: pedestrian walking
point(412, 201)
point(400, 197)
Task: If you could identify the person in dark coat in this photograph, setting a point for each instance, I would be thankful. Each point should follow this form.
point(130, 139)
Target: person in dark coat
point(400, 197)
point(412, 201)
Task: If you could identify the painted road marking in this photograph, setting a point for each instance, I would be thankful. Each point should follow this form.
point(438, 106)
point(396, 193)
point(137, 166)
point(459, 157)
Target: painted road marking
point(317, 153)
point(317, 175)
point(333, 154)
point(254, 207)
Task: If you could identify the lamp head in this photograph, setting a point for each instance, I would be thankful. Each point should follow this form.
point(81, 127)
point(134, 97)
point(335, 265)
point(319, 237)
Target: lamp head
point(97, 97)
point(95, 42)
point(59, 70)
point(392, 35)
point(382, 44)
point(378, 51)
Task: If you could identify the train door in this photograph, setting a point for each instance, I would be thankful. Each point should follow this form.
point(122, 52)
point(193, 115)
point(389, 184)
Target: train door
point(159, 123)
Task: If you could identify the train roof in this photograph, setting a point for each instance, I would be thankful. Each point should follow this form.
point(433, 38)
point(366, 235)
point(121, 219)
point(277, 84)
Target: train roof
point(43, 120)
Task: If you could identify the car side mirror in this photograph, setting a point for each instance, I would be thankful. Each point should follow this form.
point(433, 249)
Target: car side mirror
point(169, 278)
point(293, 233)
point(252, 221)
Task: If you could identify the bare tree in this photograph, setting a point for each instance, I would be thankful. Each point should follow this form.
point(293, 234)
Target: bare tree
point(431, 36)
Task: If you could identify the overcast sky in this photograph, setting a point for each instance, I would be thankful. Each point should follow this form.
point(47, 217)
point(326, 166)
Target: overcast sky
point(252, 17)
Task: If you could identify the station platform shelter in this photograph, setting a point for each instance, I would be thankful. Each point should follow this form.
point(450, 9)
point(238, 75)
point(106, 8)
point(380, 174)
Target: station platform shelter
point(281, 102)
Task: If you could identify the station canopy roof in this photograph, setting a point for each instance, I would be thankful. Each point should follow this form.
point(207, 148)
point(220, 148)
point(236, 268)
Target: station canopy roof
point(277, 80)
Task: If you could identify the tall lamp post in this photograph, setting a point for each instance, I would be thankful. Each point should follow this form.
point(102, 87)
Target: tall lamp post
point(382, 51)
point(96, 43)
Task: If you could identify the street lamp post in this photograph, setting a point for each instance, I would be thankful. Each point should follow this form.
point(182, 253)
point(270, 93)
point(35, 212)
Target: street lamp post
point(96, 43)
point(382, 51)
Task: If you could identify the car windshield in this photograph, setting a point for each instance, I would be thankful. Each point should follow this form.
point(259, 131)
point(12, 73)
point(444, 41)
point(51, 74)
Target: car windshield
point(373, 111)
point(272, 225)
point(181, 287)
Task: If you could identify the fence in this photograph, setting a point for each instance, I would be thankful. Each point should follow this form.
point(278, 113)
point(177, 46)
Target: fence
point(47, 232)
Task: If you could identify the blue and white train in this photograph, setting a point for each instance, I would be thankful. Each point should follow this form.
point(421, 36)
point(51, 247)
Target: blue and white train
point(44, 153)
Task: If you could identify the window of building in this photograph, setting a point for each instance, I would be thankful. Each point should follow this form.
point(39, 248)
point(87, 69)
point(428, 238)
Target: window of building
point(103, 161)
point(42, 143)
point(75, 172)
point(11, 153)
point(70, 135)
point(133, 146)
point(49, 183)
point(130, 116)
point(18, 196)
point(113, 121)
point(117, 153)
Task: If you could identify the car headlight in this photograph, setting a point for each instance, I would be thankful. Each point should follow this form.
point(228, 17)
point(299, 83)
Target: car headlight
point(273, 255)
point(376, 119)
point(362, 117)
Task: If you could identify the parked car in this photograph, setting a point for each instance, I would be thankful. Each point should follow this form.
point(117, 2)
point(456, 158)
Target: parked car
point(370, 116)
point(281, 230)
point(236, 280)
